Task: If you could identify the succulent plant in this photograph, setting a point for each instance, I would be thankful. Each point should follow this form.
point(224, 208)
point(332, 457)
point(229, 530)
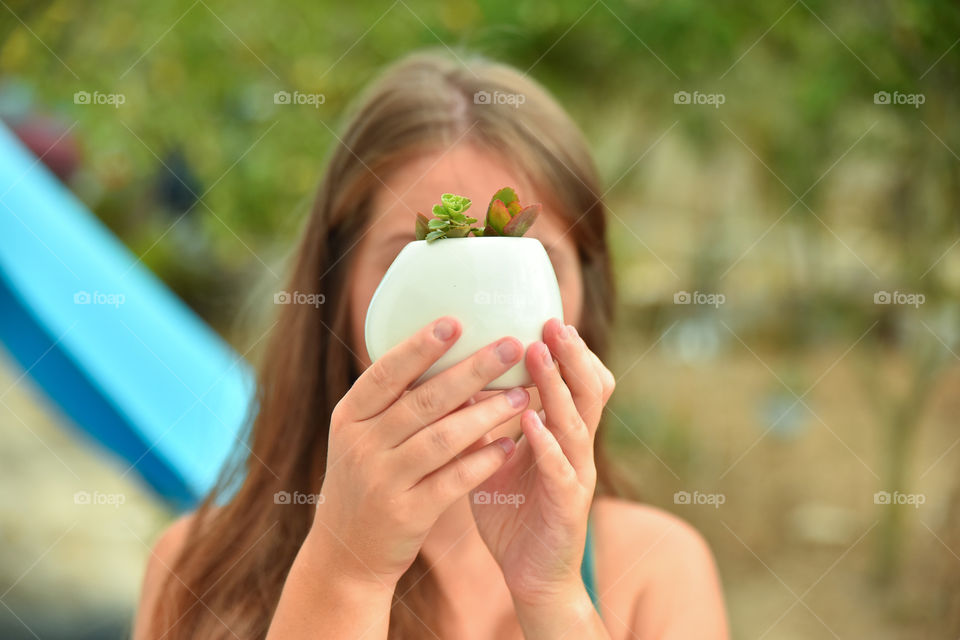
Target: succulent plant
point(505, 217)
point(450, 220)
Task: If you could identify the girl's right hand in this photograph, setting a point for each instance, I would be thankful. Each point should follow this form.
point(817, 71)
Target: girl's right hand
point(396, 459)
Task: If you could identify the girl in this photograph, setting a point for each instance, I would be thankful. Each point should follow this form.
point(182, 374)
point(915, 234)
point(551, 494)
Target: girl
point(393, 545)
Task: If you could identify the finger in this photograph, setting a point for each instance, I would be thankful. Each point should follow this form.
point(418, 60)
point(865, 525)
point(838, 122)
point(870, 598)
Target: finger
point(438, 443)
point(547, 452)
point(577, 369)
point(386, 379)
point(607, 381)
point(461, 476)
point(555, 397)
point(441, 394)
point(562, 417)
point(469, 401)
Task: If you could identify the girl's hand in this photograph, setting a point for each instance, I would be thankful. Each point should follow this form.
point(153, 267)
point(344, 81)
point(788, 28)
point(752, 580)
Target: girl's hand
point(533, 516)
point(394, 462)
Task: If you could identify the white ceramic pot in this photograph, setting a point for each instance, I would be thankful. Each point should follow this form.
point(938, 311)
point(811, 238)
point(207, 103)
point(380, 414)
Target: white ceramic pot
point(496, 287)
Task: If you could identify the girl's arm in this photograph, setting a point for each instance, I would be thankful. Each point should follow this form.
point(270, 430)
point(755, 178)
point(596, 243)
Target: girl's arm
point(146, 625)
point(570, 614)
point(316, 595)
point(319, 600)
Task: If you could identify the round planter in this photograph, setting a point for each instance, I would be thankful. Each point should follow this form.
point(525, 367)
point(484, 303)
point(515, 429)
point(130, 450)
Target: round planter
point(496, 287)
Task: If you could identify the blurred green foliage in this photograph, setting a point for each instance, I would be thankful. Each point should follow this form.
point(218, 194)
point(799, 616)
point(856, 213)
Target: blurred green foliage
point(199, 76)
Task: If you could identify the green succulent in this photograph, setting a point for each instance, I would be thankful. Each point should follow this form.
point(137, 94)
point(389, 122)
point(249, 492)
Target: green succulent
point(505, 217)
point(450, 220)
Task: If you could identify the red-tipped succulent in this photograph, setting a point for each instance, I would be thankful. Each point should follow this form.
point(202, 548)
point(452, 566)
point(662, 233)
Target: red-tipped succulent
point(505, 217)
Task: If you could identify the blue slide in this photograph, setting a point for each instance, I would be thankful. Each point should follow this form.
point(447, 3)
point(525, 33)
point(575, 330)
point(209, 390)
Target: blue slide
point(123, 358)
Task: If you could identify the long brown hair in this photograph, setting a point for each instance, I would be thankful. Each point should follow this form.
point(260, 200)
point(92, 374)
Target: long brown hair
point(242, 543)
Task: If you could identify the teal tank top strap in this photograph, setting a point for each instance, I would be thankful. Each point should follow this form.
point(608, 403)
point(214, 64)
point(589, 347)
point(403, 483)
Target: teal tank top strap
point(588, 569)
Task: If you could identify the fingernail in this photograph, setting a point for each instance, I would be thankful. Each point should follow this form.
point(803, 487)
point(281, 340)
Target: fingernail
point(507, 445)
point(562, 332)
point(508, 351)
point(443, 330)
point(547, 357)
point(517, 397)
point(542, 417)
point(538, 420)
point(573, 331)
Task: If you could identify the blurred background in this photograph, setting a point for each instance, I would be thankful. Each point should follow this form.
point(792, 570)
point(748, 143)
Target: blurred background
point(784, 183)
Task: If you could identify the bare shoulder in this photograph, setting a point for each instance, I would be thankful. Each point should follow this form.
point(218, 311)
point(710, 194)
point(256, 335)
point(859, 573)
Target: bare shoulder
point(163, 556)
point(633, 527)
point(656, 573)
point(170, 542)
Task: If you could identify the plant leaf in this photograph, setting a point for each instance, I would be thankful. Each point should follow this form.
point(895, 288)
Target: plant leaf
point(422, 226)
point(457, 232)
point(505, 195)
point(522, 221)
point(497, 217)
point(454, 204)
point(438, 223)
point(433, 235)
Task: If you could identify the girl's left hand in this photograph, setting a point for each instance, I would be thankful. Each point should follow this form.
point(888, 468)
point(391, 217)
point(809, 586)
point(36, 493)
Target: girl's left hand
point(532, 513)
